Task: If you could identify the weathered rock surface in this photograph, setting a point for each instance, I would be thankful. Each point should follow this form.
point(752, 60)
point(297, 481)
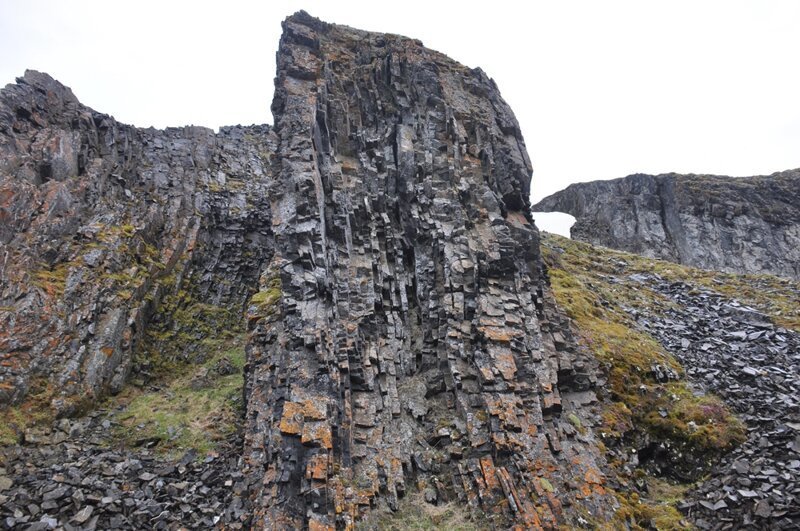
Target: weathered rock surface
point(404, 336)
point(99, 220)
point(744, 225)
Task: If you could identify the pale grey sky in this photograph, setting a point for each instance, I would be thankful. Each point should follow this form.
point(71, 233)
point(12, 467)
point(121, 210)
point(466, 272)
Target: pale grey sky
point(601, 89)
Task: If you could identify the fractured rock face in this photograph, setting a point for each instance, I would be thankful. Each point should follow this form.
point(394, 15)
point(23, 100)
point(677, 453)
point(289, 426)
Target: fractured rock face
point(99, 220)
point(742, 225)
point(404, 336)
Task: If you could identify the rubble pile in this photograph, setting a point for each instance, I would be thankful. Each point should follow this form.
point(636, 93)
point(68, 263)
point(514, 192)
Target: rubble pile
point(738, 354)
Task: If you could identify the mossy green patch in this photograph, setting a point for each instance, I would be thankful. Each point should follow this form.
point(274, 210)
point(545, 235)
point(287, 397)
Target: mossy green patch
point(185, 329)
point(656, 511)
point(703, 422)
point(34, 411)
point(269, 294)
point(196, 409)
point(52, 280)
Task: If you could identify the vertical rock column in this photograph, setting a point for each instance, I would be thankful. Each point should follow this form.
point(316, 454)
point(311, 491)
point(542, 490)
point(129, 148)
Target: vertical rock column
point(400, 340)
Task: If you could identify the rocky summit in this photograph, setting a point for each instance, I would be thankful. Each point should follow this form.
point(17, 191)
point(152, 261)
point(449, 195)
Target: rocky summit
point(350, 320)
point(742, 225)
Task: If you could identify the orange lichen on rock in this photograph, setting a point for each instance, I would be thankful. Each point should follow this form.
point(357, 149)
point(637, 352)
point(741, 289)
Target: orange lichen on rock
point(317, 467)
point(317, 433)
point(292, 418)
point(317, 525)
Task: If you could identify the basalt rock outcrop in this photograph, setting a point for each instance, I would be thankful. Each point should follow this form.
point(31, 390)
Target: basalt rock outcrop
point(100, 220)
point(742, 225)
point(377, 242)
point(404, 336)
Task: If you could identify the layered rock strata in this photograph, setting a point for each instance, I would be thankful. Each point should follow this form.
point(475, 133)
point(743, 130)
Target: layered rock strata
point(742, 225)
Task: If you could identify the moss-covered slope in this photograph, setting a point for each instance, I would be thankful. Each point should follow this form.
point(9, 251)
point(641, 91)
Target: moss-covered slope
point(664, 333)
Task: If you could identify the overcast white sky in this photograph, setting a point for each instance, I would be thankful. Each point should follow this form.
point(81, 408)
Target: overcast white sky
point(601, 89)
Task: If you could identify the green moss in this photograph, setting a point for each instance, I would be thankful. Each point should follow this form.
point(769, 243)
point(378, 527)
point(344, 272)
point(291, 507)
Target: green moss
point(127, 230)
point(575, 421)
point(180, 413)
point(638, 514)
point(52, 280)
point(184, 328)
point(616, 420)
point(111, 233)
point(266, 298)
point(34, 411)
point(125, 294)
point(702, 422)
point(269, 293)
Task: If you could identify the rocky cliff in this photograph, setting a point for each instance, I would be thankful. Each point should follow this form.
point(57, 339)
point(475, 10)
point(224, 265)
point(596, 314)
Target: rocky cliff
point(348, 319)
point(404, 336)
point(745, 225)
point(377, 243)
point(100, 221)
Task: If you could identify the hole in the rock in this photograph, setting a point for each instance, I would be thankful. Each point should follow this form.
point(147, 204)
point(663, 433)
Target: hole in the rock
point(554, 222)
point(22, 113)
point(45, 172)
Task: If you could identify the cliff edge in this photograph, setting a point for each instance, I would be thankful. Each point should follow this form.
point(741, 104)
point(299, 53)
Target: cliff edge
point(743, 225)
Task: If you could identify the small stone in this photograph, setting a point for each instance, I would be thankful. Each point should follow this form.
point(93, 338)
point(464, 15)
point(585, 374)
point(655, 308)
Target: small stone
point(750, 371)
point(49, 521)
point(762, 509)
point(83, 515)
point(57, 493)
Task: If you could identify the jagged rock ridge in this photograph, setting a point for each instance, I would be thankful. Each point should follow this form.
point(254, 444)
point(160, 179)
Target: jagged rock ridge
point(100, 220)
point(403, 335)
point(743, 225)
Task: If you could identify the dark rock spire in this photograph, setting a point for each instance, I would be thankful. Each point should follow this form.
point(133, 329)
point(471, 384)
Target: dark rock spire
point(413, 340)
